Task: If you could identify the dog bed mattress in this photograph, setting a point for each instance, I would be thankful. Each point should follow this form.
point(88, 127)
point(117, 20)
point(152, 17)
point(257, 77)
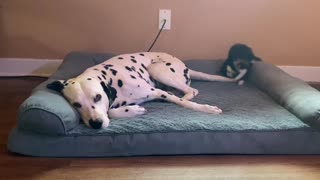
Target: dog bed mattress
point(273, 113)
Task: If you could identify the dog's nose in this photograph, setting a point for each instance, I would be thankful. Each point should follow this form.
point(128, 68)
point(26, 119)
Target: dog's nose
point(95, 124)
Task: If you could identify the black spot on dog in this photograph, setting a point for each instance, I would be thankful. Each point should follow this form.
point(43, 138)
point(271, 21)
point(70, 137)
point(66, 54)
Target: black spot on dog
point(132, 57)
point(110, 82)
point(66, 84)
point(141, 54)
point(147, 96)
point(138, 85)
point(187, 79)
point(133, 68)
point(97, 98)
point(123, 103)
point(77, 105)
point(133, 77)
point(73, 82)
point(152, 89)
point(130, 94)
point(120, 57)
point(181, 99)
point(131, 104)
point(172, 70)
point(126, 110)
point(144, 67)
point(104, 77)
point(89, 79)
point(92, 107)
point(163, 96)
point(128, 68)
point(185, 74)
point(114, 72)
point(99, 78)
point(168, 64)
point(110, 92)
point(115, 106)
point(141, 70)
point(185, 71)
point(140, 76)
point(108, 66)
point(103, 72)
point(96, 69)
point(134, 61)
point(151, 79)
point(120, 83)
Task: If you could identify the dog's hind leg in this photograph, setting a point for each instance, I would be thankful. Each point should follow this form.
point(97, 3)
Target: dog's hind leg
point(160, 94)
point(175, 75)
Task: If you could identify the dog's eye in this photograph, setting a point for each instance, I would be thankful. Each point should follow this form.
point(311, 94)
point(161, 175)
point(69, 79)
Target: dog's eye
point(77, 105)
point(97, 98)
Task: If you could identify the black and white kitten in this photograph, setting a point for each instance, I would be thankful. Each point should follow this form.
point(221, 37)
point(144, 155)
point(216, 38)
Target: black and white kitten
point(240, 57)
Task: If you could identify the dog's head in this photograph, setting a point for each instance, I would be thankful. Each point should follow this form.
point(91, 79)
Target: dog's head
point(88, 96)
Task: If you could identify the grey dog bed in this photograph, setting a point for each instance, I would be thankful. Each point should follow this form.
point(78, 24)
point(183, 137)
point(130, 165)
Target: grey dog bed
point(273, 113)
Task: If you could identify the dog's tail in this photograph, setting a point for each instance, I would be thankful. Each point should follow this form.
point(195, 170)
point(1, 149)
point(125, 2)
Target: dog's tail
point(196, 75)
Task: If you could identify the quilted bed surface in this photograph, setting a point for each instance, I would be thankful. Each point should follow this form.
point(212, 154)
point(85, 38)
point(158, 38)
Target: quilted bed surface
point(245, 108)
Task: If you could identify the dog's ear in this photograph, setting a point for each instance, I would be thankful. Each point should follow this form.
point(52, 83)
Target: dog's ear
point(255, 58)
point(56, 86)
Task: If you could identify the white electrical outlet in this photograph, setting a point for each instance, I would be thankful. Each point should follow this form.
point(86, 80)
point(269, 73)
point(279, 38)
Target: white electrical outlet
point(165, 14)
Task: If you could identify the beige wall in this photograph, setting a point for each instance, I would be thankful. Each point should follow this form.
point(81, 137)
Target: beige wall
point(284, 32)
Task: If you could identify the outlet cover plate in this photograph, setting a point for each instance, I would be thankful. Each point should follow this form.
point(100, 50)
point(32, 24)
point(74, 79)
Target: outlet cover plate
point(165, 14)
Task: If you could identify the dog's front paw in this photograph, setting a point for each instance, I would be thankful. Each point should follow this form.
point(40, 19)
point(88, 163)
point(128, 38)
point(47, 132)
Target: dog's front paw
point(135, 110)
point(211, 109)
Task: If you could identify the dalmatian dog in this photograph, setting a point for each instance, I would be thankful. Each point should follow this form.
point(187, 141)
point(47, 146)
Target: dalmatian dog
point(117, 87)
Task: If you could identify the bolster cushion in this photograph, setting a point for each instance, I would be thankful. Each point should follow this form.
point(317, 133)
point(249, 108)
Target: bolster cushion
point(294, 94)
point(48, 113)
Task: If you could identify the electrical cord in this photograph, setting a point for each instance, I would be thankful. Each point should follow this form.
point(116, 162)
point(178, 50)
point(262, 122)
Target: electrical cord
point(155, 40)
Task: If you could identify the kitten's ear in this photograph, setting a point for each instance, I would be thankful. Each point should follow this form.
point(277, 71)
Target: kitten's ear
point(56, 86)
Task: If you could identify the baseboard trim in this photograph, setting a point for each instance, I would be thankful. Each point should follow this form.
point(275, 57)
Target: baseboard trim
point(306, 73)
point(45, 68)
point(28, 67)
